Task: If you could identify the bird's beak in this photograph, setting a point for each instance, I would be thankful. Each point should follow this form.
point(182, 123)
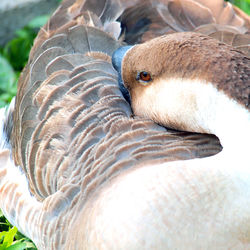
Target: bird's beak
point(117, 58)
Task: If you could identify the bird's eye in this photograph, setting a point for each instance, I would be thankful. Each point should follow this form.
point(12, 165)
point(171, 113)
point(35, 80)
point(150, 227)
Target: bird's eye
point(144, 76)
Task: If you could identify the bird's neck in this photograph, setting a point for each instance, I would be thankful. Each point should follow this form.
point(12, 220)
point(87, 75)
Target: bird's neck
point(231, 124)
point(196, 106)
point(218, 114)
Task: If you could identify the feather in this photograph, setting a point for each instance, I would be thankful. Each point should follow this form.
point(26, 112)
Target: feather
point(73, 132)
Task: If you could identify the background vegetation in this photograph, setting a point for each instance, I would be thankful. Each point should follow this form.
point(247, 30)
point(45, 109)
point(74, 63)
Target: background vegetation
point(13, 57)
point(242, 4)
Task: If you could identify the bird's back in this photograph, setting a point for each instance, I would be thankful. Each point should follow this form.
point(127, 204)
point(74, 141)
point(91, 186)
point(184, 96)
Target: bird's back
point(73, 131)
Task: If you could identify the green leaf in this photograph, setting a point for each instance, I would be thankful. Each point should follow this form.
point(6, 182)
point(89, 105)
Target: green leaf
point(17, 246)
point(8, 85)
point(242, 4)
point(7, 75)
point(8, 237)
point(21, 245)
point(17, 51)
point(9, 242)
point(38, 22)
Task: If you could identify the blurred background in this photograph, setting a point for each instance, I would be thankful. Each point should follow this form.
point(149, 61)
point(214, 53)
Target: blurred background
point(242, 4)
point(20, 20)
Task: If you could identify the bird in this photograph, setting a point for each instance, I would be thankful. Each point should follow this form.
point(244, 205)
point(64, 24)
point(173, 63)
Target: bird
point(184, 81)
point(81, 169)
point(192, 82)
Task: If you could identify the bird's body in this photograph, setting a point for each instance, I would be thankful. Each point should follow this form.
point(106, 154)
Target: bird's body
point(89, 174)
point(191, 82)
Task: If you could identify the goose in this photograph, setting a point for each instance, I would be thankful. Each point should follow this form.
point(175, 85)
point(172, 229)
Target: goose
point(186, 81)
point(192, 82)
point(80, 170)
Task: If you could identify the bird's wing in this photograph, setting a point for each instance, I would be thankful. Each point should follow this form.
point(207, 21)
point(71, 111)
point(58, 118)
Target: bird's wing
point(73, 130)
point(68, 88)
point(217, 18)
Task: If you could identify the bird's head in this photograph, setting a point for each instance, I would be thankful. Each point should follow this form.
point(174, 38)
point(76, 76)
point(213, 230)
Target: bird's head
point(177, 79)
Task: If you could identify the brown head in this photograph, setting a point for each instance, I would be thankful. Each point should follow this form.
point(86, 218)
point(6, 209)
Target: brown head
point(166, 75)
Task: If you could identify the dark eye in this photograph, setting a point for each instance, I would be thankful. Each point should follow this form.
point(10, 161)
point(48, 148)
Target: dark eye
point(144, 76)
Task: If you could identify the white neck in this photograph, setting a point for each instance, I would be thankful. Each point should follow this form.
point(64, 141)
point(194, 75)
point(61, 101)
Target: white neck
point(232, 125)
point(196, 106)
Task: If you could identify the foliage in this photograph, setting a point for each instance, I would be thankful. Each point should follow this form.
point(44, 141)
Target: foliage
point(11, 239)
point(13, 58)
point(242, 4)
point(7, 81)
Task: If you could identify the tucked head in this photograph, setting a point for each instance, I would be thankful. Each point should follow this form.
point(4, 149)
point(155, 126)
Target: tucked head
point(166, 75)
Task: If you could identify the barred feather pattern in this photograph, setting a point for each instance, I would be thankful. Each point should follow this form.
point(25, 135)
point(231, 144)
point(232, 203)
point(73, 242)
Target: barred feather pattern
point(73, 131)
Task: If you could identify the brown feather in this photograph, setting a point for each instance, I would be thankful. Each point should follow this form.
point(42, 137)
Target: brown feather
point(73, 131)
